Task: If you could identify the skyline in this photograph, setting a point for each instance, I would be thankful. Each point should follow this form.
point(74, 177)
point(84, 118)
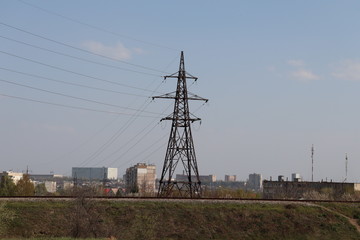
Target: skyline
point(279, 77)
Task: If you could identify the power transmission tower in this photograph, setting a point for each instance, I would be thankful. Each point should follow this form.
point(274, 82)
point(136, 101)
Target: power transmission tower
point(180, 146)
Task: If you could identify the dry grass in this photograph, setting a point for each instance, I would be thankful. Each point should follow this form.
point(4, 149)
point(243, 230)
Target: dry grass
point(180, 220)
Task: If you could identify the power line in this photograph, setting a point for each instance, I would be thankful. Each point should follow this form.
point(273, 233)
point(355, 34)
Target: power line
point(153, 144)
point(80, 49)
point(73, 97)
point(73, 72)
point(142, 138)
point(78, 58)
point(145, 158)
point(119, 132)
point(113, 138)
point(95, 27)
point(69, 83)
point(82, 144)
point(73, 107)
point(124, 127)
point(109, 156)
point(136, 143)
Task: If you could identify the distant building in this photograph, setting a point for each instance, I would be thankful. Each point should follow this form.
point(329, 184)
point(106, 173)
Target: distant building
point(66, 185)
point(230, 178)
point(223, 184)
point(203, 178)
point(295, 177)
point(296, 189)
point(50, 186)
point(255, 182)
point(94, 173)
point(15, 176)
point(44, 177)
point(140, 178)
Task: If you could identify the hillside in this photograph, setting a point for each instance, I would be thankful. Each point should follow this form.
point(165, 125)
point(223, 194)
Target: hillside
point(178, 220)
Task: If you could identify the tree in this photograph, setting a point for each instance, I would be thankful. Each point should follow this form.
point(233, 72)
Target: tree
point(40, 190)
point(25, 187)
point(7, 186)
point(86, 216)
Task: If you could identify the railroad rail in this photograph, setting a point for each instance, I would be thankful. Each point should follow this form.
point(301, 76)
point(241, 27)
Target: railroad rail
point(173, 199)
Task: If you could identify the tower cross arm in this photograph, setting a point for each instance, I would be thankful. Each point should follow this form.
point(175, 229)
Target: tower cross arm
point(180, 119)
point(176, 75)
point(190, 96)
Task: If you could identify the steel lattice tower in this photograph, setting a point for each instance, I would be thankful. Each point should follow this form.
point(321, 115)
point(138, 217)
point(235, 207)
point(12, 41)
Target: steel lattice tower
point(180, 147)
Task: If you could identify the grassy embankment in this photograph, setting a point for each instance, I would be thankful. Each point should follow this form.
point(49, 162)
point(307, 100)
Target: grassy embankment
point(179, 220)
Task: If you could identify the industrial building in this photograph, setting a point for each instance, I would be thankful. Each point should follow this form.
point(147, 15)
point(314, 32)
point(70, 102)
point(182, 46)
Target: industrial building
point(45, 177)
point(203, 178)
point(255, 182)
point(297, 189)
point(94, 173)
point(140, 178)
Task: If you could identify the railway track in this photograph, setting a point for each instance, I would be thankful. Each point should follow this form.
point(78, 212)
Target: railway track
point(99, 198)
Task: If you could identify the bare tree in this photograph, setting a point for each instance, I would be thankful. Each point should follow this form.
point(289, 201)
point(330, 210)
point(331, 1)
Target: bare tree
point(86, 217)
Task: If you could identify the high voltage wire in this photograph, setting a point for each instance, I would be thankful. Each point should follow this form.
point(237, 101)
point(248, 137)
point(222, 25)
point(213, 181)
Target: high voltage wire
point(150, 145)
point(118, 133)
point(73, 107)
point(157, 149)
point(80, 49)
point(83, 143)
point(69, 83)
point(145, 150)
point(78, 58)
point(136, 143)
point(113, 138)
point(121, 130)
point(95, 27)
point(73, 97)
point(73, 72)
point(142, 138)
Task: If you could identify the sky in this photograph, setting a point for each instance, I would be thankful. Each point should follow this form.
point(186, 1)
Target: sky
point(77, 77)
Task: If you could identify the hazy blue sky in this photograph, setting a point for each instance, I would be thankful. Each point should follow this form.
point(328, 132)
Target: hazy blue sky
point(280, 76)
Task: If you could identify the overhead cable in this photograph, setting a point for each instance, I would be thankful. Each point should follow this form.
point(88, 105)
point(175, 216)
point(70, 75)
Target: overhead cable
point(73, 72)
point(78, 58)
point(70, 83)
point(95, 27)
point(81, 49)
point(73, 107)
point(73, 97)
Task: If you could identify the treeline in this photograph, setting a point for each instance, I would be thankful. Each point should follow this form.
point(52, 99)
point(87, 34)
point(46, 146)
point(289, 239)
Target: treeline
point(24, 187)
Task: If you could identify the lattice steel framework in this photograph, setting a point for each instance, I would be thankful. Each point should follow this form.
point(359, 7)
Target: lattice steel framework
point(180, 147)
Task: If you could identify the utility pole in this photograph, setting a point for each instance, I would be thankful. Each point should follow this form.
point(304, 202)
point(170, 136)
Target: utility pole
point(312, 163)
point(180, 148)
point(75, 180)
point(346, 167)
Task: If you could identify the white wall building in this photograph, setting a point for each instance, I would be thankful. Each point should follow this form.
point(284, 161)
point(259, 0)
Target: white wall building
point(50, 186)
point(15, 176)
